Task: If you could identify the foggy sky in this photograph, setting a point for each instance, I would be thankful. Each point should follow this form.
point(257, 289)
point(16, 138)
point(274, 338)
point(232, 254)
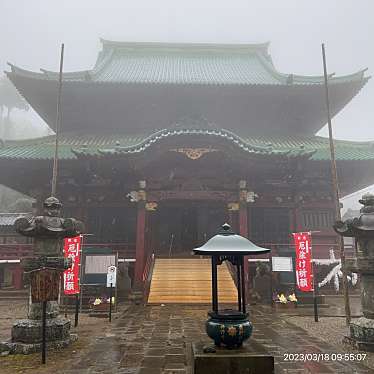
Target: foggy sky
point(32, 31)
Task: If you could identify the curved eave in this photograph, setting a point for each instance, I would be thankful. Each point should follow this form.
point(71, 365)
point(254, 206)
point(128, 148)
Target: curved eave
point(48, 75)
point(74, 146)
point(157, 137)
point(302, 80)
point(280, 79)
point(36, 153)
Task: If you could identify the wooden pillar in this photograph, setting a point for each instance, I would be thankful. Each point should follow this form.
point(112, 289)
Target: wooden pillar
point(17, 277)
point(140, 233)
point(297, 214)
point(243, 231)
point(243, 223)
point(243, 220)
point(140, 241)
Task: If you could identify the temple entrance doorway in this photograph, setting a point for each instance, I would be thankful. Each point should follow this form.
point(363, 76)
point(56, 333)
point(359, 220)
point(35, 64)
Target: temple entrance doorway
point(182, 225)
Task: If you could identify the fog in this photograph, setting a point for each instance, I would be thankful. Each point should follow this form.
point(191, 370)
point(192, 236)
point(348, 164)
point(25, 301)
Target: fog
point(32, 32)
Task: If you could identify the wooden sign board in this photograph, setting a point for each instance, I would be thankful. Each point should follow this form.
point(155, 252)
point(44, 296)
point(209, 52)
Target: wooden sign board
point(98, 264)
point(45, 285)
point(282, 264)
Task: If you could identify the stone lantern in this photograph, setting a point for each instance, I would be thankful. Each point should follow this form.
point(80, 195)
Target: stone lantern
point(362, 229)
point(228, 327)
point(44, 269)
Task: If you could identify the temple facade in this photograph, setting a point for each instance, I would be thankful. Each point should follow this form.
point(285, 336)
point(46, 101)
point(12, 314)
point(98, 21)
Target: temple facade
point(162, 143)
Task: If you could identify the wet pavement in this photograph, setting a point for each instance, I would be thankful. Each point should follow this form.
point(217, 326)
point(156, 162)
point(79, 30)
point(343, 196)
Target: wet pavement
point(157, 339)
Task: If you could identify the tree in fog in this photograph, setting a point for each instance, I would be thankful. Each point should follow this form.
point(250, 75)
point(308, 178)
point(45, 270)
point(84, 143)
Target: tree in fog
point(9, 99)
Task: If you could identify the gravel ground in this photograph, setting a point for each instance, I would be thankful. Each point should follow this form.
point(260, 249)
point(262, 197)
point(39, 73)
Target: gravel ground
point(331, 330)
point(89, 328)
point(10, 310)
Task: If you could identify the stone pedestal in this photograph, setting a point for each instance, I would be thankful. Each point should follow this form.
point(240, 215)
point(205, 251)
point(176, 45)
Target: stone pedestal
point(362, 334)
point(124, 281)
point(250, 358)
point(27, 333)
point(362, 229)
point(35, 310)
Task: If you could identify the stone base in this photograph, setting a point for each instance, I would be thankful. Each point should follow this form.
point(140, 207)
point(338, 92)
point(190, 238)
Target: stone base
point(361, 346)
point(250, 358)
point(306, 298)
point(24, 348)
point(361, 334)
point(99, 314)
point(29, 331)
point(136, 297)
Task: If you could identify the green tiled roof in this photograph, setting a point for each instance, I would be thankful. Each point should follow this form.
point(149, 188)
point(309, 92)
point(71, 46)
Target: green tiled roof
point(73, 145)
point(203, 64)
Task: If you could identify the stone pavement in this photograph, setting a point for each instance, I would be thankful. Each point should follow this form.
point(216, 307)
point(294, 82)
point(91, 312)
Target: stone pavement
point(156, 339)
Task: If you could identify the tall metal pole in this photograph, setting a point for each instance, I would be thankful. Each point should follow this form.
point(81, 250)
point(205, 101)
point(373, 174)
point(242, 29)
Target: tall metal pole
point(58, 122)
point(315, 286)
point(239, 283)
point(44, 323)
point(336, 192)
point(244, 307)
point(110, 301)
point(214, 285)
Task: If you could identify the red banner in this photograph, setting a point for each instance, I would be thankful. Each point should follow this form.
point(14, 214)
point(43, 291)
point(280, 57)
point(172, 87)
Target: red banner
point(304, 269)
point(72, 249)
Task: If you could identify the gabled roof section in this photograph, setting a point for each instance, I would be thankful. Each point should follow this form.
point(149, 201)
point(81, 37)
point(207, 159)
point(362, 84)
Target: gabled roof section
point(200, 64)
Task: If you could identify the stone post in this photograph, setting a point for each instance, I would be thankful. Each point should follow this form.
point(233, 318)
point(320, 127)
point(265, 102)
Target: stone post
point(362, 229)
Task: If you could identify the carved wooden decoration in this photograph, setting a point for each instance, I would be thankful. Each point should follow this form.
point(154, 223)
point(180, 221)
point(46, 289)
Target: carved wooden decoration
point(194, 153)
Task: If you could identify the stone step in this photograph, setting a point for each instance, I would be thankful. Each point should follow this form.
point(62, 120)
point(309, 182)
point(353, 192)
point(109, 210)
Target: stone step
point(189, 281)
point(11, 294)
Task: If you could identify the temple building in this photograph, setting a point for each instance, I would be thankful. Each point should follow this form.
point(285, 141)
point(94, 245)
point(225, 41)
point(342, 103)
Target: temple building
point(162, 143)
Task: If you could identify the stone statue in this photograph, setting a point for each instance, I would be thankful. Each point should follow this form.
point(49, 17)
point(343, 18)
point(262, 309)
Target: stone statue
point(362, 229)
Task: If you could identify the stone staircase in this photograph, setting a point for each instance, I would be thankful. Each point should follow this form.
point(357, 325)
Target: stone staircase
point(188, 281)
point(11, 294)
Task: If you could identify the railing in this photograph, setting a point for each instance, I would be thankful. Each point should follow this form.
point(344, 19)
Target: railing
point(15, 251)
point(19, 251)
point(148, 267)
point(349, 249)
point(171, 244)
point(124, 250)
point(147, 275)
